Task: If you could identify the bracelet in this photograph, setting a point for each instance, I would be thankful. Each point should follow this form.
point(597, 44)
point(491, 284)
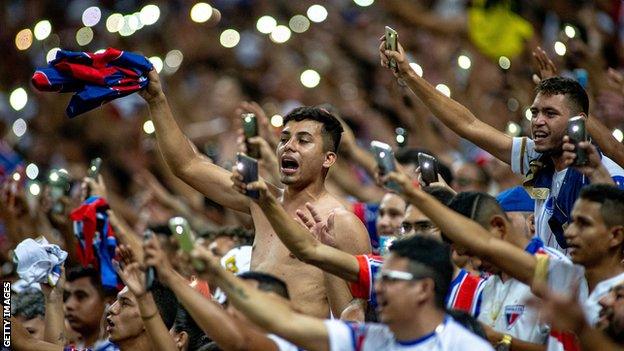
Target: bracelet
point(149, 317)
point(506, 340)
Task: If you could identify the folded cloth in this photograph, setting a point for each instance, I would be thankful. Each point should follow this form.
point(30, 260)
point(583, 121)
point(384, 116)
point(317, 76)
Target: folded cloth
point(38, 261)
point(96, 78)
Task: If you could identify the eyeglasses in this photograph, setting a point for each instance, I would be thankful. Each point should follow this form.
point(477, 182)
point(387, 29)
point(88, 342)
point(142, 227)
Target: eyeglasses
point(389, 275)
point(407, 227)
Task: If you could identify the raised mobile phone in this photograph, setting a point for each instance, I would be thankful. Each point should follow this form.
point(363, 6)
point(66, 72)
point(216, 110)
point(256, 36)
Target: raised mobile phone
point(401, 137)
point(577, 133)
point(385, 161)
point(58, 181)
point(181, 230)
point(250, 129)
point(428, 168)
point(94, 168)
point(248, 167)
point(150, 273)
point(392, 39)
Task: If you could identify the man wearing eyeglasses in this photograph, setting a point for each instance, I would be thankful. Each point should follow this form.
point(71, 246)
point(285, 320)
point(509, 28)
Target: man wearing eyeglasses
point(411, 289)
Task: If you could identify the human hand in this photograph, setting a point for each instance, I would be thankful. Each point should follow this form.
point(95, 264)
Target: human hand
point(212, 263)
point(593, 169)
point(403, 67)
point(93, 187)
point(155, 256)
point(54, 294)
point(243, 188)
point(545, 65)
point(400, 178)
point(153, 91)
point(131, 272)
point(322, 230)
point(264, 127)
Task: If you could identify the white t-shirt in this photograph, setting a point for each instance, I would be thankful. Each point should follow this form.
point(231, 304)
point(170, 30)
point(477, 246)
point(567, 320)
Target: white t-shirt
point(520, 158)
point(448, 336)
point(282, 344)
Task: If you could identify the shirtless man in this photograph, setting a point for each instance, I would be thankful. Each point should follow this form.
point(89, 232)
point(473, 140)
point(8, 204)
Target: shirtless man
point(306, 151)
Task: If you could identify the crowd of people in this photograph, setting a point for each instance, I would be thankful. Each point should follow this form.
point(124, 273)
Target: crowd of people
point(484, 223)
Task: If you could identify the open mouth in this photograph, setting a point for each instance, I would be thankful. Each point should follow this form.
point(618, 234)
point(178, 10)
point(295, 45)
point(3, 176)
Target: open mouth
point(289, 165)
point(539, 135)
point(109, 324)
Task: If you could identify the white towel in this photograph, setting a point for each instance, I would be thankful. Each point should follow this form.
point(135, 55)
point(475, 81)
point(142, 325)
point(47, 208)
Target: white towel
point(38, 261)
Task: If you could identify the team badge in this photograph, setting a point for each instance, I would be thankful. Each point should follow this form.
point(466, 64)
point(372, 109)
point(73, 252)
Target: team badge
point(512, 314)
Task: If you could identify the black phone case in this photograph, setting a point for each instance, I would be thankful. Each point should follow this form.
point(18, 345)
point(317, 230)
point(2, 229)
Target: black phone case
point(250, 173)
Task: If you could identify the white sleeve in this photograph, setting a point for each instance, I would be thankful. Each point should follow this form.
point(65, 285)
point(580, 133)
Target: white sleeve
point(522, 151)
point(340, 336)
point(562, 275)
point(282, 345)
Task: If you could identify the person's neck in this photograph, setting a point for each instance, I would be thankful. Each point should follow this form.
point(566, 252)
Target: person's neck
point(138, 343)
point(91, 338)
point(309, 192)
point(558, 162)
point(608, 267)
point(456, 271)
point(422, 323)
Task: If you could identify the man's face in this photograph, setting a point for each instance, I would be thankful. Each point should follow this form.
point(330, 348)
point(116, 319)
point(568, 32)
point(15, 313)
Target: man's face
point(612, 313)
point(415, 221)
point(300, 152)
point(83, 305)
point(124, 318)
point(549, 122)
point(519, 223)
point(34, 326)
point(468, 178)
point(221, 245)
point(587, 235)
point(391, 213)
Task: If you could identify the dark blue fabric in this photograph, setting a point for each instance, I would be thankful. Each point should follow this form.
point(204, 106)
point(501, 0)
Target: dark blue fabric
point(516, 199)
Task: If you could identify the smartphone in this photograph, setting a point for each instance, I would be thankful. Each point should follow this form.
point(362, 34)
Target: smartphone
point(392, 39)
point(250, 129)
point(577, 133)
point(385, 161)
point(428, 168)
point(58, 181)
point(248, 167)
point(181, 230)
point(150, 273)
point(401, 137)
point(94, 168)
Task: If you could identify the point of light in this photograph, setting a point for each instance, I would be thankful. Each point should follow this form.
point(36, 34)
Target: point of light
point(54, 177)
point(19, 127)
point(400, 139)
point(280, 34)
point(277, 121)
point(16, 176)
point(229, 38)
point(317, 13)
point(444, 89)
point(157, 62)
point(43, 29)
point(133, 21)
point(174, 58)
point(91, 16)
point(201, 12)
point(299, 23)
point(148, 127)
point(504, 62)
point(179, 229)
point(513, 129)
point(24, 39)
point(128, 25)
point(560, 48)
point(84, 36)
point(416, 67)
point(149, 14)
point(363, 3)
point(18, 99)
point(34, 189)
point(310, 78)
point(51, 55)
point(618, 135)
point(266, 24)
point(528, 114)
point(115, 22)
point(569, 31)
point(32, 171)
point(464, 62)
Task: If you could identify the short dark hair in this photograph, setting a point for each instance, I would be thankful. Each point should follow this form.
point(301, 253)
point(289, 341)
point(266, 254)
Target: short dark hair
point(611, 199)
point(28, 304)
point(185, 323)
point(332, 129)
point(93, 274)
point(409, 156)
point(469, 322)
point(267, 282)
point(478, 206)
point(442, 194)
point(576, 95)
point(436, 256)
point(166, 302)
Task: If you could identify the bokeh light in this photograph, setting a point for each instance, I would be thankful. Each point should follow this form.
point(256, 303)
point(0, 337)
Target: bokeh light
point(569, 31)
point(19, 127)
point(157, 62)
point(528, 114)
point(513, 129)
point(18, 99)
point(201, 12)
point(618, 135)
point(149, 14)
point(277, 121)
point(32, 171)
point(299, 23)
point(91, 16)
point(464, 62)
point(280, 34)
point(43, 29)
point(174, 58)
point(51, 55)
point(148, 127)
point(266, 24)
point(363, 3)
point(24, 39)
point(84, 36)
point(229, 38)
point(560, 48)
point(317, 13)
point(444, 89)
point(310, 78)
point(114, 22)
point(417, 68)
point(34, 189)
point(504, 62)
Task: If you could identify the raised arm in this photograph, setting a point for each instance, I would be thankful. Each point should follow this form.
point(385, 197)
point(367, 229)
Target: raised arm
point(469, 233)
point(298, 239)
point(182, 157)
point(266, 310)
point(453, 114)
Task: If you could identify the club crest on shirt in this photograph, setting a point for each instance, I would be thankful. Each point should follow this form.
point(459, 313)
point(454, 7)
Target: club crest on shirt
point(512, 314)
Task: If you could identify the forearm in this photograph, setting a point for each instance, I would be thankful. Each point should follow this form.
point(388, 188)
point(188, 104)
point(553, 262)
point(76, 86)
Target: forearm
point(593, 339)
point(609, 146)
point(54, 331)
point(342, 176)
point(154, 325)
